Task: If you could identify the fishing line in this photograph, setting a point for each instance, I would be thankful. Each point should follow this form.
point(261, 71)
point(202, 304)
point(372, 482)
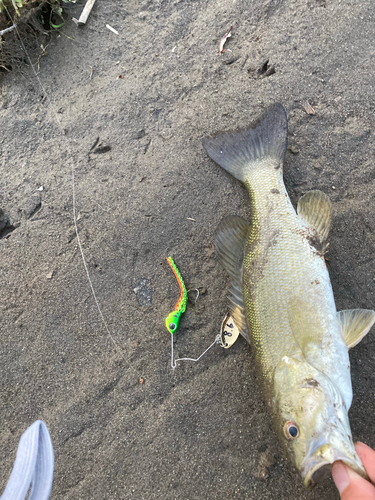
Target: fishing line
point(181, 305)
point(57, 119)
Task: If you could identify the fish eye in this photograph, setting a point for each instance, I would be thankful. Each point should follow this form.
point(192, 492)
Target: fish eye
point(291, 430)
point(172, 326)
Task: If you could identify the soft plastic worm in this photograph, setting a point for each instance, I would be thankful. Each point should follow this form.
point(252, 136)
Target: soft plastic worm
point(173, 319)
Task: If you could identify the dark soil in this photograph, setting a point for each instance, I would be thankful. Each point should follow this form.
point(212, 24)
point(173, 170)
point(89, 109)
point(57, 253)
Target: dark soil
point(132, 133)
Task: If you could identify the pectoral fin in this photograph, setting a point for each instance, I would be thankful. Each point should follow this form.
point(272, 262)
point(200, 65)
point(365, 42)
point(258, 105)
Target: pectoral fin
point(305, 324)
point(230, 242)
point(315, 208)
point(355, 324)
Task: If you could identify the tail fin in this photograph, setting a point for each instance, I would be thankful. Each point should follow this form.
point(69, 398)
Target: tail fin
point(237, 152)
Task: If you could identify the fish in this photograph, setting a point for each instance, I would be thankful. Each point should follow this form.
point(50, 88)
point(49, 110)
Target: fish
point(281, 300)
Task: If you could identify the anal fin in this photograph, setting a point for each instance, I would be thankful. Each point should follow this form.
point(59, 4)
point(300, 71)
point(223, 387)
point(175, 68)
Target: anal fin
point(230, 241)
point(355, 324)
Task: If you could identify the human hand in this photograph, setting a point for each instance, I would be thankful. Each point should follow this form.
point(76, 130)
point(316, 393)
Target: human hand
point(351, 485)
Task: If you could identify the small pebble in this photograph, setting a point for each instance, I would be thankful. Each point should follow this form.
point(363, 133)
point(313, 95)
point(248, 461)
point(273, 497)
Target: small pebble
point(294, 150)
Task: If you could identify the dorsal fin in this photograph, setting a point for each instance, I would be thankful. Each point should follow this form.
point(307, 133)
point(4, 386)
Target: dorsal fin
point(315, 208)
point(230, 241)
point(355, 324)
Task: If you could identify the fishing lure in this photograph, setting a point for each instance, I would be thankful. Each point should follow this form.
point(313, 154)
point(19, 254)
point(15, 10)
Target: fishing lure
point(229, 332)
point(173, 319)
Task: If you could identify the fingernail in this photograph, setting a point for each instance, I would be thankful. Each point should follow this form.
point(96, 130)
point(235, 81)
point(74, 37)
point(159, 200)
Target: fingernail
point(340, 476)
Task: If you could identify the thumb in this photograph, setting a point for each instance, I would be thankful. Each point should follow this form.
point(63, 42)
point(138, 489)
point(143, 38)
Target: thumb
point(351, 485)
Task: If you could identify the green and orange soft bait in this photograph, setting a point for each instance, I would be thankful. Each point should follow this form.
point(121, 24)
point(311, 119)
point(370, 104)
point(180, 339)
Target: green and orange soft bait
point(173, 319)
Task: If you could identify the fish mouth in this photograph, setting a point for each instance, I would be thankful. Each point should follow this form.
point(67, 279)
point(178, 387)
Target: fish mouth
point(317, 465)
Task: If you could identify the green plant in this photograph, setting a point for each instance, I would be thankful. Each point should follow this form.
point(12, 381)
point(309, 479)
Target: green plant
point(16, 4)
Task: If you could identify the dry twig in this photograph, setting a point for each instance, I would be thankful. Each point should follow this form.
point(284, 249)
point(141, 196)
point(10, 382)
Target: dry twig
point(308, 108)
point(86, 12)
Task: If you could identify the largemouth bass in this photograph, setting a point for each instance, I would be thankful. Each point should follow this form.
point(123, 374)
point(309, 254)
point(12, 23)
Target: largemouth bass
point(281, 299)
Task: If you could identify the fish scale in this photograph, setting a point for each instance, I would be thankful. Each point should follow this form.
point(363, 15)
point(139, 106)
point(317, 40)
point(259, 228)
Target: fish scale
point(279, 264)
